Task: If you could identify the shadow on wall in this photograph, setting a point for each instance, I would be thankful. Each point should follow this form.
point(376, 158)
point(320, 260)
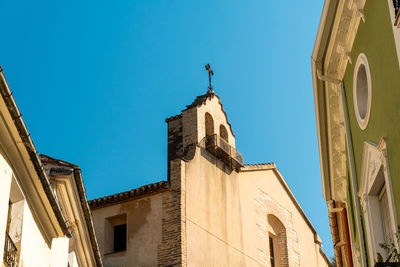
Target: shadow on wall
point(213, 160)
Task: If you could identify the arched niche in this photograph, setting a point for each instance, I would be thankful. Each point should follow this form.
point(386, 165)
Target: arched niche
point(209, 124)
point(223, 133)
point(277, 242)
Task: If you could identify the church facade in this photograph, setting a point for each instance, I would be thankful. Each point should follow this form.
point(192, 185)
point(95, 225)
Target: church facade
point(213, 210)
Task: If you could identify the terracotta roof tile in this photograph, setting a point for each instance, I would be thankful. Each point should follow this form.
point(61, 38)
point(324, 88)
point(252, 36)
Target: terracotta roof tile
point(200, 100)
point(127, 195)
point(173, 118)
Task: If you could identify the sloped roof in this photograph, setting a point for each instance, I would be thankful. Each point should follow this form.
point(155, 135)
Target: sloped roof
point(272, 166)
point(173, 118)
point(77, 175)
point(30, 148)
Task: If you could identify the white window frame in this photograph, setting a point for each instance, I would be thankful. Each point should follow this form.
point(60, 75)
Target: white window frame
point(362, 60)
point(375, 159)
point(395, 28)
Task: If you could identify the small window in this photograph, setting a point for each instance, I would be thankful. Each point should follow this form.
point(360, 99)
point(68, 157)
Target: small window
point(385, 215)
point(362, 91)
point(115, 234)
point(278, 249)
point(271, 250)
point(119, 237)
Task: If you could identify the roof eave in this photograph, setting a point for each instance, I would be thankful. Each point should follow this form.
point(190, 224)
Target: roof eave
point(29, 146)
point(318, 55)
point(88, 216)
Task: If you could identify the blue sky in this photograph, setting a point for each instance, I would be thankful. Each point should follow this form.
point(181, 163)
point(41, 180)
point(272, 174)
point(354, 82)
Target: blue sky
point(95, 81)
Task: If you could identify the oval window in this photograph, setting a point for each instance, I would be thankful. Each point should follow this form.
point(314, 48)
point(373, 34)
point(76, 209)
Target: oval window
point(362, 91)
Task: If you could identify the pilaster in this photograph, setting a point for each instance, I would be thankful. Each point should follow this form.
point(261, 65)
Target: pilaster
point(172, 251)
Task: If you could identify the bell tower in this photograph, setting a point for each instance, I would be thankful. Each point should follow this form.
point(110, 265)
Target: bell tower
point(203, 123)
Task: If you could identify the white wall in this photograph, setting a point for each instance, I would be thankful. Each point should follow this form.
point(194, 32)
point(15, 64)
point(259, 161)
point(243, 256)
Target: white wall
point(34, 250)
point(5, 185)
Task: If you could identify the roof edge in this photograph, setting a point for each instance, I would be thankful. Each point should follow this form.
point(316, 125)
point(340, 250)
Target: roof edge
point(58, 161)
point(272, 166)
point(77, 176)
point(257, 167)
point(318, 54)
point(88, 215)
point(144, 190)
point(317, 239)
point(32, 152)
point(172, 118)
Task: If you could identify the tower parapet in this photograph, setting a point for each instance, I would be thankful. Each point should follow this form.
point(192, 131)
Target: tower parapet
point(205, 117)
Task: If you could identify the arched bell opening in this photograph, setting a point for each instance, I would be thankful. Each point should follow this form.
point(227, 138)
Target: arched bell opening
point(209, 124)
point(223, 133)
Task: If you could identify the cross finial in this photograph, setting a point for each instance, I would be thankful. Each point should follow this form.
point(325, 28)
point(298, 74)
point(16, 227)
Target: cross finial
point(210, 73)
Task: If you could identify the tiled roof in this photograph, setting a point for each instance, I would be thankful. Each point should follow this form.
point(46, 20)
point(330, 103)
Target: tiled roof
point(127, 195)
point(173, 118)
point(200, 100)
point(47, 159)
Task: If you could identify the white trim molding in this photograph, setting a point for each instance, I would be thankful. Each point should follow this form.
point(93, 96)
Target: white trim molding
point(395, 28)
point(362, 61)
point(374, 176)
point(349, 15)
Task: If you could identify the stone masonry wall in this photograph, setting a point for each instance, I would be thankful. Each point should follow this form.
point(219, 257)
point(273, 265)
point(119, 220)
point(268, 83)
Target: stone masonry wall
point(175, 141)
point(172, 251)
point(190, 127)
point(264, 206)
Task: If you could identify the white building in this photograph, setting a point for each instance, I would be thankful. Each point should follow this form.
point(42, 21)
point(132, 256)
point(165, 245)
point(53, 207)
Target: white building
point(44, 217)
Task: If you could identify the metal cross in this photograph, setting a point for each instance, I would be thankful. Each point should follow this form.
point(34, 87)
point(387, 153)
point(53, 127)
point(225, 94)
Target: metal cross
point(210, 73)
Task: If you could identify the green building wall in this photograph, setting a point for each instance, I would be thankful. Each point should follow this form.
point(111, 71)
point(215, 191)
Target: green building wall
point(375, 39)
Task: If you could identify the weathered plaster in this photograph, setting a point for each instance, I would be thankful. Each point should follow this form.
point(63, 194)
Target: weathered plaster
point(144, 230)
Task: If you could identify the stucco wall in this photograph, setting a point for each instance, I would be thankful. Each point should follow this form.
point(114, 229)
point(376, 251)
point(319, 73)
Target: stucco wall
point(30, 235)
point(143, 230)
point(226, 217)
point(375, 39)
point(34, 249)
point(213, 107)
point(5, 185)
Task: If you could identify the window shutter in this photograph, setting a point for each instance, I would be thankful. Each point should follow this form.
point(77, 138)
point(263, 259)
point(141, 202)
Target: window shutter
point(384, 205)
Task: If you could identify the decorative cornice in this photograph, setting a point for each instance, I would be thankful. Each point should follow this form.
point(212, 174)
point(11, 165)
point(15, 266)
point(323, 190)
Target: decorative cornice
point(348, 15)
point(257, 167)
point(68, 169)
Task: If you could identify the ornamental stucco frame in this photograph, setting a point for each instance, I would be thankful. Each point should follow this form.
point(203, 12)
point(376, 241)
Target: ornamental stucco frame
point(395, 28)
point(362, 60)
point(264, 206)
point(375, 158)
